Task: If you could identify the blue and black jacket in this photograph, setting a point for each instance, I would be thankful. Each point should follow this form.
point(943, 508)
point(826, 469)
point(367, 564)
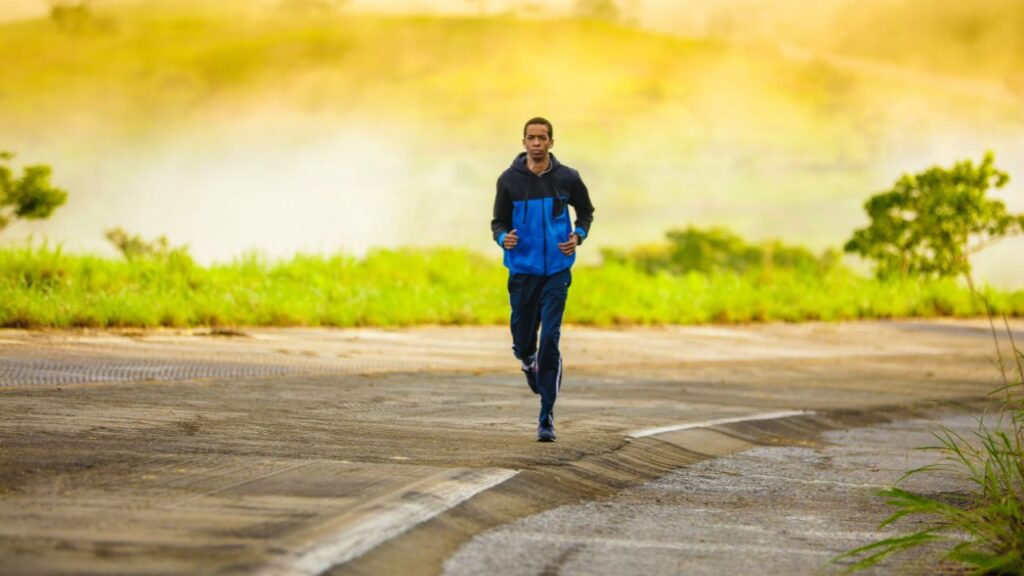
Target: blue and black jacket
point(536, 208)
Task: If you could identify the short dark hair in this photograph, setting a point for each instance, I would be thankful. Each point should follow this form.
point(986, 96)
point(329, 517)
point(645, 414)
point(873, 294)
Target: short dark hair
point(539, 120)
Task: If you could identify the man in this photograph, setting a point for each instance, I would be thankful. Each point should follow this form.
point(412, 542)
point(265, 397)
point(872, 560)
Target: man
point(531, 222)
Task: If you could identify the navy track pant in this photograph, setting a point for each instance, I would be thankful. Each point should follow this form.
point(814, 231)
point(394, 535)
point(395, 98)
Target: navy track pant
point(539, 302)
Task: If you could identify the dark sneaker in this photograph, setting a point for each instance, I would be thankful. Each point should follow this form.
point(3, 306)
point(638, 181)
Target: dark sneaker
point(531, 376)
point(545, 433)
point(546, 430)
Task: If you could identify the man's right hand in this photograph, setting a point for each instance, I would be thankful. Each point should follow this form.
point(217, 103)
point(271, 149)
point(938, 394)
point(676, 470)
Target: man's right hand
point(511, 239)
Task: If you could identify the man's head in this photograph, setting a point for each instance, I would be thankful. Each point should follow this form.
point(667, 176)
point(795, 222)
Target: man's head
point(538, 138)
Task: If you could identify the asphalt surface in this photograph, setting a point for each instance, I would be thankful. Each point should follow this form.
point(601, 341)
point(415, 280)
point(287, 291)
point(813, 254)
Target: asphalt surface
point(766, 510)
point(374, 451)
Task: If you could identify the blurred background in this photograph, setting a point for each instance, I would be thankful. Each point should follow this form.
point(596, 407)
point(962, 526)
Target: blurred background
point(319, 126)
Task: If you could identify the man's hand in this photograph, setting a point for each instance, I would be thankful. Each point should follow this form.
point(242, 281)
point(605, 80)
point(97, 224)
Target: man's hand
point(569, 246)
point(511, 239)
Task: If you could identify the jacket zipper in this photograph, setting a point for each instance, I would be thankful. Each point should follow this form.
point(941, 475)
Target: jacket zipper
point(543, 213)
point(544, 216)
point(544, 222)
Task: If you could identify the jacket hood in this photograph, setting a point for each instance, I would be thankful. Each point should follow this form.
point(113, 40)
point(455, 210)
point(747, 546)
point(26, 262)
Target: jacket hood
point(519, 164)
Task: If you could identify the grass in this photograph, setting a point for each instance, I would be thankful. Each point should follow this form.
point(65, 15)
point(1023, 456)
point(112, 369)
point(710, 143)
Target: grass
point(42, 286)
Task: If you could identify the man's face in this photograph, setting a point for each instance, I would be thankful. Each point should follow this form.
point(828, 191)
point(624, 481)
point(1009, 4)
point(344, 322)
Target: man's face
point(537, 142)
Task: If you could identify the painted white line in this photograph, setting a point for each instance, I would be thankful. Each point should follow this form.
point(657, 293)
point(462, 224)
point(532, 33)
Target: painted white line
point(708, 423)
point(376, 522)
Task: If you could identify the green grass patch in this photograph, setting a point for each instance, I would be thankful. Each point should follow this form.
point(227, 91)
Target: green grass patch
point(42, 286)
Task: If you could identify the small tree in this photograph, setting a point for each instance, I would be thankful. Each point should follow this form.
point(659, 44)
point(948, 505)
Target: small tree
point(29, 197)
point(932, 222)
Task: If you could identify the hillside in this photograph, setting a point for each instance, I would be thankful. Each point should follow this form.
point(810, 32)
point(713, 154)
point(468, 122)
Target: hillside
point(159, 63)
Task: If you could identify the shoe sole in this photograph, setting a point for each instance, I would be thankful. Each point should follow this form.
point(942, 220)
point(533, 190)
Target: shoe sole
point(542, 437)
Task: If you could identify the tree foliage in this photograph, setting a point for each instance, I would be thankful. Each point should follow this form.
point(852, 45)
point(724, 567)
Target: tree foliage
point(930, 223)
point(30, 197)
point(717, 250)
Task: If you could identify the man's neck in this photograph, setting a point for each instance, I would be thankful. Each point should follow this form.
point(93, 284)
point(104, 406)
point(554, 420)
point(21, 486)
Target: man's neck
point(538, 167)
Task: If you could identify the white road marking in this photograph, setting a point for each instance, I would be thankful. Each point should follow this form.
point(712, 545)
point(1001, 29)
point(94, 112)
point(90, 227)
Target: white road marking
point(379, 521)
point(709, 423)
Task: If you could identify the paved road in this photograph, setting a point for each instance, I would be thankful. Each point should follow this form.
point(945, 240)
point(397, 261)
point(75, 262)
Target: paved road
point(292, 451)
point(766, 510)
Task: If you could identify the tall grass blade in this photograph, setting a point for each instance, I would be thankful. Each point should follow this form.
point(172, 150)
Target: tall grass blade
point(885, 548)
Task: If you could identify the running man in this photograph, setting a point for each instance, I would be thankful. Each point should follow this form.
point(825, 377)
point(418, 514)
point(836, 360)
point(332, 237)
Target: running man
point(531, 223)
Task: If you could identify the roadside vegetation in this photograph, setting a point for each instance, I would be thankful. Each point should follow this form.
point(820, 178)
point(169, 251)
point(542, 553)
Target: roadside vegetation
point(42, 286)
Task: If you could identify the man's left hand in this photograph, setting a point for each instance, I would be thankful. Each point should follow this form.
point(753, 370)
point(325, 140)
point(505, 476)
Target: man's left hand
point(569, 246)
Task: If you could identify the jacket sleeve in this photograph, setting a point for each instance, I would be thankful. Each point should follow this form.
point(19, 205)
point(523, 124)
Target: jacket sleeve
point(580, 201)
point(501, 224)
